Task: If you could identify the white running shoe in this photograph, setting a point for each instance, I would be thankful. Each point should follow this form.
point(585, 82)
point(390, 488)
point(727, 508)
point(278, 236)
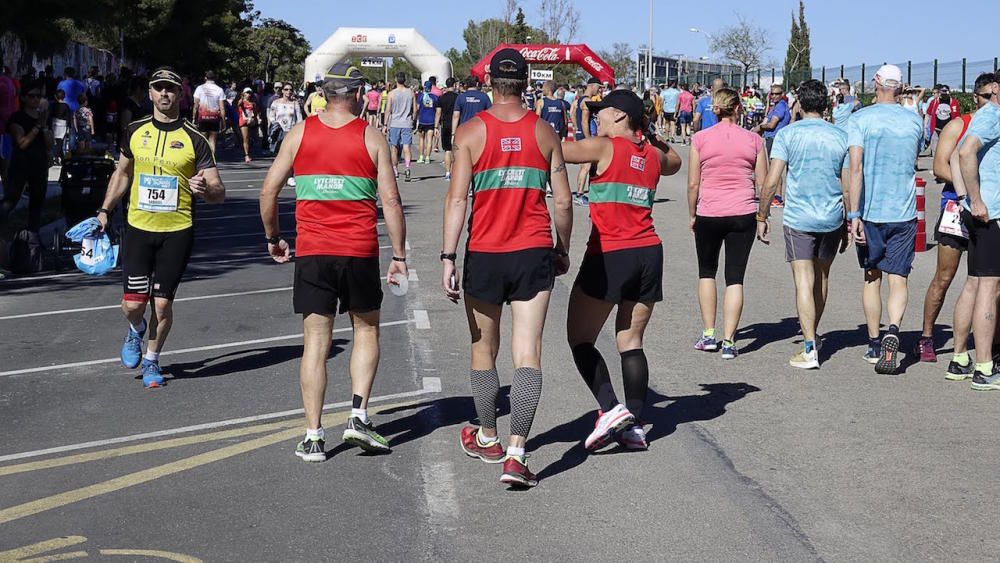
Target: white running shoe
point(805, 360)
point(633, 438)
point(291, 182)
point(608, 424)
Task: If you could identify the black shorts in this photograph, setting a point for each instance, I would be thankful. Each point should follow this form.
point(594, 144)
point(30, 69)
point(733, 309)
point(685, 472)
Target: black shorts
point(322, 281)
point(154, 263)
point(947, 239)
point(984, 240)
point(669, 116)
point(210, 125)
point(502, 277)
point(736, 232)
point(425, 128)
point(446, 139)
point(633, 274)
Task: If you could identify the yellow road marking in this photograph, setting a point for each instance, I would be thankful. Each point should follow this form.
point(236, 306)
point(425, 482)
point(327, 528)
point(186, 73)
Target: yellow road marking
point(144, 476)
point(153, 553)
point(147, 447)
point(41, 547)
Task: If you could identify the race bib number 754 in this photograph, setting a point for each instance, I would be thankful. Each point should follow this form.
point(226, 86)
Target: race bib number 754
point(157, 194)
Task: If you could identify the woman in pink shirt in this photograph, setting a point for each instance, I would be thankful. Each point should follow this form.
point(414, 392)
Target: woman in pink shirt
point(727, 166)
point(685, 112)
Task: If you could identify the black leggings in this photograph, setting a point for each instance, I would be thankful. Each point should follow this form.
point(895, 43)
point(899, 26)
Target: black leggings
point(737, 232)
point(36, 178)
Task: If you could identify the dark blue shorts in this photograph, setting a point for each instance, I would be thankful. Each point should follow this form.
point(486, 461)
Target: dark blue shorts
point(890, 247)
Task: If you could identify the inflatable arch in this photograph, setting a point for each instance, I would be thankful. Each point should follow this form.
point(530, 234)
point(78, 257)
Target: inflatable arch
point(378, 42)
point(554, 54)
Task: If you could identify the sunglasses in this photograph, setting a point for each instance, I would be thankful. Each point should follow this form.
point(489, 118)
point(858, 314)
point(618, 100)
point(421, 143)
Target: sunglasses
point(286, 89)
point(986, 96)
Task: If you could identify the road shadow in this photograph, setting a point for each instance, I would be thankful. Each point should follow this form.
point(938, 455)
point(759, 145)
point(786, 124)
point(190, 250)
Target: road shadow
point(242, 360)
point(662, 412)
point(767, 333)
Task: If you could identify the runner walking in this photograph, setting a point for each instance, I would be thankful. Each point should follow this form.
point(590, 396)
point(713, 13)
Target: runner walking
point(685, 113)
point(447, 105)
point(884, 141)
point(209, 110)
point(400, 111)
point(508, 155)
point(623, 265)
point(669, 102)
point(343, 165)
point(814, 153)
point(552, 109)
point(428, 119)
point(586, 124)
point(165, 164)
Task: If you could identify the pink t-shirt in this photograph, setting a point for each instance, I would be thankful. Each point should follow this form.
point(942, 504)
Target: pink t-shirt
point(685, 101)
point(728, 155)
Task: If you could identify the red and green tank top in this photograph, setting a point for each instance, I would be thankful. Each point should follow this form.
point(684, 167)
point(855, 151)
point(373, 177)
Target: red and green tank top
point(335, 190)
point(508, 183)
point(621, 199)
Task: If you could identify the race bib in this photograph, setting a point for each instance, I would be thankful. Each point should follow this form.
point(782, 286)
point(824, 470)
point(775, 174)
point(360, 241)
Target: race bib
point(87, 250)
point(951, 221)
point(157, 194)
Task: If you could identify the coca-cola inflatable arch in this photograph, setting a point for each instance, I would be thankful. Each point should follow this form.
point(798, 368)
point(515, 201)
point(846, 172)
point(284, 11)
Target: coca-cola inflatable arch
point(554, 54)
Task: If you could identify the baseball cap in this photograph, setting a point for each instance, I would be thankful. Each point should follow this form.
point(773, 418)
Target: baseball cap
point(247, 90)
point(343, 78)
point(889, 76)
point(278, 84)
point(428, 85)
point(165, 74)
point(594, 80)
point(623, 100)
point(509, 63)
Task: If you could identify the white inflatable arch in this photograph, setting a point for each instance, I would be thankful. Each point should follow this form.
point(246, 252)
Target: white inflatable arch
point(379, 42)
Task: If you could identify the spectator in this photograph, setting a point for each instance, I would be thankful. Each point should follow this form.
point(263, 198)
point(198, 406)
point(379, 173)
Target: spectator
point(29, 161)
point(8, 105)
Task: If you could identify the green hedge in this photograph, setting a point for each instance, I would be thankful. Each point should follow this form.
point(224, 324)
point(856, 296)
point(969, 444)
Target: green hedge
point(966, 101)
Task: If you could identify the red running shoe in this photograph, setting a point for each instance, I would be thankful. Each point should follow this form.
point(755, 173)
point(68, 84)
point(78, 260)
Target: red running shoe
point(491, 453)
point(925, 347)
point(516, 474)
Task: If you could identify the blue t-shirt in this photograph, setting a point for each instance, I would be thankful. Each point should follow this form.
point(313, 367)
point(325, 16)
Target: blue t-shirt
point(986, 127)
point(780, 110)
point(427, 105)
point(890, 136)
point(816, 153)
point(842, 113)
point(708, 117)
point(554, 112)
point(469, 103)
point(73, 89)
point(670, 96)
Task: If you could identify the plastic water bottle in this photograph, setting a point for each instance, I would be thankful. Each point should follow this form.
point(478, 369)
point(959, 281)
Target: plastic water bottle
point(401, 289)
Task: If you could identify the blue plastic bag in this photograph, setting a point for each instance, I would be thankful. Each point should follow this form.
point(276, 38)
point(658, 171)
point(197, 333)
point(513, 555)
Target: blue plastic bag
point(97, 255)
point(84, 228)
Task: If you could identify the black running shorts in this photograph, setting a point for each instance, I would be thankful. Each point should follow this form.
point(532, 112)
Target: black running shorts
point(502, 277)
point(323, 281)
point(153, 263)
point(210, 125)
point(633, 274)
point(984, 240)
point(446, 138)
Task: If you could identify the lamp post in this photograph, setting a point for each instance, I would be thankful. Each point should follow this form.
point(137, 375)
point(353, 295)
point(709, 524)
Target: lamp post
point(649, 50)
point(528, 39)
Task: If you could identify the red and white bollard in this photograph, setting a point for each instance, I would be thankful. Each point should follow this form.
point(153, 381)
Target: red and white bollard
point(921, 240)
point(570, 132)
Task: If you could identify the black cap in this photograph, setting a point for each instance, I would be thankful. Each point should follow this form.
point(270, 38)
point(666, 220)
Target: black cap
point(165, 74)
point(623, 100)
point(343, 78)
point(509, 63)
point(594, 80)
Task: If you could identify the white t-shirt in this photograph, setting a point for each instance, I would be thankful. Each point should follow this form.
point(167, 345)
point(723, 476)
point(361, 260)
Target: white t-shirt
point(208, 95)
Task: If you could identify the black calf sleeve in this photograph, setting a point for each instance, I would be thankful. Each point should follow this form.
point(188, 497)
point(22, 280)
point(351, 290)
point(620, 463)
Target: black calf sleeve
point(635, 373)
point(591, 365)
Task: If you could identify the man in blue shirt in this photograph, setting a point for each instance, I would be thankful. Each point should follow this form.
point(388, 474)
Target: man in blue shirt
point(776, 120)
point(814, 153)
point(979, 162)
point(884, 141)
point(428, 119)
point(704, 117)
point(469, 103)
point(551, 109)
point(72, 87)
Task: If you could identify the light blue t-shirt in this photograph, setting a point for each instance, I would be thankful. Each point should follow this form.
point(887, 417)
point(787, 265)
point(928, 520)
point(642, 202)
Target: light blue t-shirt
point(670, 96)
point(842, 113)
point(816, 153)
point(708, 117)
point(890, 136)
point(986, 127)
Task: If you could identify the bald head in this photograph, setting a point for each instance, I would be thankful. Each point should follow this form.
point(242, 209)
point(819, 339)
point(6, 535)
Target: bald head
point(718, 84)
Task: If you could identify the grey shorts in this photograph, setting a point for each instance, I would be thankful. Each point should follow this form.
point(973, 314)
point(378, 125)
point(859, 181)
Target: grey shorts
point(811, 246)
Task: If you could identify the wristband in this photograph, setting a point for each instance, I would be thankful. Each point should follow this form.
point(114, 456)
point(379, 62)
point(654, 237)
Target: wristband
point(398, 259)
point(761, 218)
point(960, 198)
point(103, 210)
point(445, 256)
point(273, 240)
point(853, 215)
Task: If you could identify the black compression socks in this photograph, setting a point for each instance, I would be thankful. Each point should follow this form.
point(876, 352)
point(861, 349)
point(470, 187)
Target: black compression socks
point(635, 373)
point(485, 388)
point(524, 395)
point(356, 401)
point(594, 371)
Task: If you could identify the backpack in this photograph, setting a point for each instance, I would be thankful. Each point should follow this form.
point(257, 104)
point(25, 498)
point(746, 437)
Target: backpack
point(26, 253)
point(427, 101)
point(944, 109)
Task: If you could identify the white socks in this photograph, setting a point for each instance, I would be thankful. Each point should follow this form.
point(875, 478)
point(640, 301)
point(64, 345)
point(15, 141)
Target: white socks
point(360, 413)
point(139, 329)
point(316, 434)
point(152, 356)
point(515, 452)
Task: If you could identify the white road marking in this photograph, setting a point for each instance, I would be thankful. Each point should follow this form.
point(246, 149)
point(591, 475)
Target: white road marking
point(193, 263)
point(430, 385)
point(413, 275)
point(257, 215)
point(181, 351)
point(407, 246)
point(118, 306)
point(420, 318)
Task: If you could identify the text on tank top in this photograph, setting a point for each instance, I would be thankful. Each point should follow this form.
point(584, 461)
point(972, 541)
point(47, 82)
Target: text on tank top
point(335, 191)
point(621, 199)
point(508, 182)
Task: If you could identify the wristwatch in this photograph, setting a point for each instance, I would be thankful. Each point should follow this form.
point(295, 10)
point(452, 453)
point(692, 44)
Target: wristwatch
point(398, 259)
point(960, 198)
point(273, 240)
point(853, 215)
point(445, 256)
point(102, 210)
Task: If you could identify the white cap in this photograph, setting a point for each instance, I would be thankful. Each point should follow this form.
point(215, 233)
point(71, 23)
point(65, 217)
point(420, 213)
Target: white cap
point(889, 76)
point(278, 84)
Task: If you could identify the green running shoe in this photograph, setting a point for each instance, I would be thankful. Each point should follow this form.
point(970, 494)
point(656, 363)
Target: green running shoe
point(364, 436)
point(311, 450)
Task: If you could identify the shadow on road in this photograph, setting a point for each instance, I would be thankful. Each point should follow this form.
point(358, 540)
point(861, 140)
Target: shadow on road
point(664, 419)
point(767, 333)
point(243, 360)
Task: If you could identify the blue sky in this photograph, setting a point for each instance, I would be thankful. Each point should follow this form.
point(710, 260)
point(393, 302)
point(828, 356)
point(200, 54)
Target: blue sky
point(845, 32)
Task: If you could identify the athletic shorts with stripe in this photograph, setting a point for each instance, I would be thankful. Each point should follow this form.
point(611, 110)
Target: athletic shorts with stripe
point(153, 263)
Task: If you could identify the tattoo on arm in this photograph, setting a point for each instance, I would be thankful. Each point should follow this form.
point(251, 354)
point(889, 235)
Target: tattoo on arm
point(559, 168)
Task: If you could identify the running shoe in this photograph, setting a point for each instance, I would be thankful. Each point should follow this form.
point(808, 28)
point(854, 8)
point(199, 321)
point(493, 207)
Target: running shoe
point(777, 202)
point(608, 424)
point(132, 349)
point(729, 351)
point(447, 175)
point(925, 348)
point(805, 360)
point(490, 453)
point(982, 382)
point(291, 182)
point(151, 375)
point(576, 199)
point(585, 201)
point(873, 354)
point(516, 474)
point(707, 344)
point(633, 438)
point(364, 436)
point(958, 372)
point(311, 450)
point(888, 362)
point(420, 160)
point(406, 175)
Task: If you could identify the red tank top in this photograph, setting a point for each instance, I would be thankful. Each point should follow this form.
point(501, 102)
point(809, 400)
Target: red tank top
point(508, 182)
point(621, 199)
point(335, 191)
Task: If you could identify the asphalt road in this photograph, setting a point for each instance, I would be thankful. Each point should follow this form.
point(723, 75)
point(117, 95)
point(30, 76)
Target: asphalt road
point(749, 459)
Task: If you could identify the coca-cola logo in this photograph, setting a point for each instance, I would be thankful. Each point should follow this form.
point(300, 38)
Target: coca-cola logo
point(545, 54)
point(594, 64)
